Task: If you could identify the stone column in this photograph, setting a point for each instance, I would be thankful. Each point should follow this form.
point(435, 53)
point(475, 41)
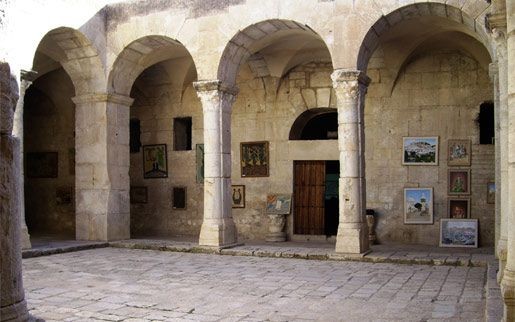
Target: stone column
point(27, 77)
point(12, 297)
point(218, 229)
point(102, 183)
point(350, 88)
point(508, 279)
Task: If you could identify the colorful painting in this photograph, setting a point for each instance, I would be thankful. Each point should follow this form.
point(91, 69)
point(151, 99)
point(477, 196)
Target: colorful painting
point(418, 205)
point(254, 159)
point(458, 232)
point(199, 149)
point(138, 195)
point(41, 164)
point(279, 204)
point(459, 182)
point(154, 161)
point(420, 150)
point(458, 153)
point(459, 208)
point(490, 192)
point(238, 196)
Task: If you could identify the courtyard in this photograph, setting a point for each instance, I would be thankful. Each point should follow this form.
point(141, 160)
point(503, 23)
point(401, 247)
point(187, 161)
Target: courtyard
point(117, 284)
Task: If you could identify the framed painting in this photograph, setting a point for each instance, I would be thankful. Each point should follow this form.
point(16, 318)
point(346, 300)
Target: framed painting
point(254, 159)
point(238, 196)
point(418, 205)
point(459, 208)
point(420, 150)
point(138, 194)
point(199, 155)
point(279, 204)
point(41, 164)
point(490, 192)
point(155, 161)
point(458, 152)
point(458, 233)
point(459, 182)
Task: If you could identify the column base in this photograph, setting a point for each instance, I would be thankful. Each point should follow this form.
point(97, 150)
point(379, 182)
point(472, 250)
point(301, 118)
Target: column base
point(25, 238)
point(502, 255)
point(15, 312)
point(352, 238)
point(508, 295)
point(219, 233)
point(276, 237)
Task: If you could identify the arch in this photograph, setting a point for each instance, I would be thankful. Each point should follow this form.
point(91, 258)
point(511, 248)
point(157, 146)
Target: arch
point(74, 51)
point(297, 131)
point(431, 18)
point(143, 53)
point(290, 37)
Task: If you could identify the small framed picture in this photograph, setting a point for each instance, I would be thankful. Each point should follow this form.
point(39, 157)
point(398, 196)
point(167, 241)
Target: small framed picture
point(418, 205)
point(459, 208)
point(490, 192)
point(238, 196)
point(420, 150)
point(138, 195)
point(458, 153)
point(254, 159)
point(459, 182)
point(155, 161)
point(278, 204)
point(458, 233)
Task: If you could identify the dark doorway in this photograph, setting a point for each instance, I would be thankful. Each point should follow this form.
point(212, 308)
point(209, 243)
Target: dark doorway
point(316, 197)
point(486, 123)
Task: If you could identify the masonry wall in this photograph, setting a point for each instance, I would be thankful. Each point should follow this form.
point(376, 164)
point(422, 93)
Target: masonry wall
point(49, 123)
point(436, 94)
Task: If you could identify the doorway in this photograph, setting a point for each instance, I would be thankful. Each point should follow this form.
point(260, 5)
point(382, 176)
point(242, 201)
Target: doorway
point(316, 197)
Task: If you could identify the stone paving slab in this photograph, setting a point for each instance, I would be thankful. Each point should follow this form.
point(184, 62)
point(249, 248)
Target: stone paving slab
point(119, 284)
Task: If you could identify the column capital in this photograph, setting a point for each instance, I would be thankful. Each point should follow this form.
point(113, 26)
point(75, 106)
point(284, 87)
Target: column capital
point(28, 75)
point(214, 85)
point(349, 75)
point(103, 97)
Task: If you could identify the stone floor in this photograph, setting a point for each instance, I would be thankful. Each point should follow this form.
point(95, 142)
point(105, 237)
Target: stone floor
point(120, 284)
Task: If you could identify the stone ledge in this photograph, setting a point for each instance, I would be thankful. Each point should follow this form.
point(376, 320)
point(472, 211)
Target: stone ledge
point(37, 252)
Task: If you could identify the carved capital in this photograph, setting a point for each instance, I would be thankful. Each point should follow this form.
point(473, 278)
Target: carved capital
point(496, 20)
point(214, 85)
point(348, 83)
point(103, 97)
point(215, 95)
point(28, 75)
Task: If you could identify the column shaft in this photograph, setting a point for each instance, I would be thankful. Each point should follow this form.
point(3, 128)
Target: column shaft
point(350, 88)
point(218, 227)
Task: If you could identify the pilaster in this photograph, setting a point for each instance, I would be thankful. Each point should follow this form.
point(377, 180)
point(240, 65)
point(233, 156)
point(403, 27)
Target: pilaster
point(102, 163)
point(350, 88)
point(218, 229)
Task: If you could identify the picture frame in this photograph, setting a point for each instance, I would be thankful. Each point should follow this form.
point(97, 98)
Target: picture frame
point(420, 150)
point(41, 164)
point(254, 159)
point(279, 204)
point(490, 193)
point(238, 196)
point(458, 233)
point(199, 158)
point(459, 208)
point(418, 206)
point(459, 153)
point(458, 182)
point(138, 195)
point(155, 163)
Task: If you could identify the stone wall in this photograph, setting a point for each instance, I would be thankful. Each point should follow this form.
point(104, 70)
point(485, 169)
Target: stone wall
point(435, 94)
point(49, 125)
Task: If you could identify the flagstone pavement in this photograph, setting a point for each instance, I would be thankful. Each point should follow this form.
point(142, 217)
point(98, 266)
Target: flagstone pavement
point(119, 284)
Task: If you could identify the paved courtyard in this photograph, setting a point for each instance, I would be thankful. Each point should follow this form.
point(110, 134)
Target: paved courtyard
point(112, 284)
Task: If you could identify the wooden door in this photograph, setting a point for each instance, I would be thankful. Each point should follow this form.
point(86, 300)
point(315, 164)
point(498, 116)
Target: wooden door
point(309, 189)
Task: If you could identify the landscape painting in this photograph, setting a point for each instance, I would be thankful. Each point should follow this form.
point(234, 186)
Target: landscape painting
point(420, 150)
point(458, 233)
point(418, 205)
point(154, 161)
point(459, 153)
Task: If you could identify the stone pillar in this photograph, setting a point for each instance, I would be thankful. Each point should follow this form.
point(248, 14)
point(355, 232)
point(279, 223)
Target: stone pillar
point(27, 77)
point(218, 229)
point(12, 297)
point(350, 88)
point(102, 183)
point(508, 279)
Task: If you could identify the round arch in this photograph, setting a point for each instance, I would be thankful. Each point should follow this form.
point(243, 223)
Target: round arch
point(319, 120)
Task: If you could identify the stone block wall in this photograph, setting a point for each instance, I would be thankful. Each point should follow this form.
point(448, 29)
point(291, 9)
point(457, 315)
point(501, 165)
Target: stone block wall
point(435, 94)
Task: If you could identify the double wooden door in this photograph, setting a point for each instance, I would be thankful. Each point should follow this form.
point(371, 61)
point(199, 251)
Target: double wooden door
point(309, 190)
